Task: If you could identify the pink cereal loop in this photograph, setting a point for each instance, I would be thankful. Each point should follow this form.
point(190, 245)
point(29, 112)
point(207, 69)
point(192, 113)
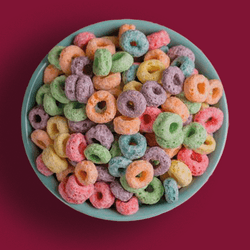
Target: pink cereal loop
point(41, 167)
point(81, 40)
point(127, 208)
point(64, 195)
point(158, 39)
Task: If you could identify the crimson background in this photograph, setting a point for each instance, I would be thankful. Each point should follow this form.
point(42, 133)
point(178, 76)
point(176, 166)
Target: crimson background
point(32, 218)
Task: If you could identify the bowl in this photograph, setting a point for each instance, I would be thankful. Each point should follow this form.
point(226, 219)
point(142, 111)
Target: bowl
point(146, 211)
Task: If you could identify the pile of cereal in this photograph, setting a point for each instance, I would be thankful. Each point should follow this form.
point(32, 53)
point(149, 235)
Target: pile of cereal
point(124, 120)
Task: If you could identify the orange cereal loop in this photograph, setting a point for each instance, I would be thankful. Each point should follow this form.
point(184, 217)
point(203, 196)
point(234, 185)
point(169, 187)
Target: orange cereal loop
point(107, 82)
point(50, 73)
point(124, 28)
point(86, 173)
point(215, 91)
point(65, 173)
point(115, 91)
point(175, 105)
point(126, 126)
point(104, 114)
point(196, 88)
point(139, 174)
point(171, 152)
point(41, 138)
point(113, 39)
point(99, 43)
point(164, 176)
point(158, 55)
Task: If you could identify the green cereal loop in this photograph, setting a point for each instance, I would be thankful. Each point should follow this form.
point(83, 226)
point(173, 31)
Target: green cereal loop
point(54, 54)
point(44, 89)
point(121, 61)
point(193, 107)
point(152, 194)
point(75, 111)
point(102, 62)
point(50, 105)
point(125, 185)
point(115, 150)
point(56, 89)
point(173, 142)
point(194, 135)
point(97, 153)
point(167, 125)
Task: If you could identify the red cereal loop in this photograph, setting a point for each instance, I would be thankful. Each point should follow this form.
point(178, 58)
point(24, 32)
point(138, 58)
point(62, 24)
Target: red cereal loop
point(75, 147)
point(81, 40)
point(102, 196)
point(64, 195)
point(210, 118)
point(41, 167)
point(197, 163)
point(127, 208)
point(158, 39)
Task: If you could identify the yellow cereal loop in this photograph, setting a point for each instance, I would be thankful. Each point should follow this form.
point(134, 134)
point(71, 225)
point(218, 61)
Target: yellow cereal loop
point(207, 147)
point(52, 161)
point(60, 144)
point(150, 70)
point(57, 125)
point(204, 106)
point(133, 85)
point(180, 172)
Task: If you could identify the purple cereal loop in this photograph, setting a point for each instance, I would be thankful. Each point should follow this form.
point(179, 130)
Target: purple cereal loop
point(189, 120)
point(158, 154)
point(131, 103)
point(78, 64)
point(38, 117)
point(102, 134)
point(119, 192)
point(180, 50)
point(104, 175)
point(173, 80)
point(80, 127)
point(84, 89)
point(154, 94)
point(70, 87)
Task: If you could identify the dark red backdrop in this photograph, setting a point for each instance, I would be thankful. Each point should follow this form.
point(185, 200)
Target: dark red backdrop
point(32, 218)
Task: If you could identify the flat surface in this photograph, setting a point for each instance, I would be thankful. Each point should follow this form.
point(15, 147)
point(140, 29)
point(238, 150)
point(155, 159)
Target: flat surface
point(217, 216)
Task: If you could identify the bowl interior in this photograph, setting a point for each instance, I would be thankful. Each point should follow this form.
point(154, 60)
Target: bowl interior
point(146, 211)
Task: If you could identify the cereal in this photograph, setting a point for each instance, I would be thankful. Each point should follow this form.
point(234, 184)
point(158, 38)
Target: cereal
point(114, 40)
point(75, 147)
point(171, 190)
point(173, 142)
point(82, 65)
point(64, 195)
point(139, 174)
point(86, 173)
point(124, 28)
point(104, 175)
point(171, 152)
point(180, 50)
point(50, 73)
point(126, 126)
point(154, 94)
point(188, 121)
point(131, 151)
point(147, 119)
point(54, 54)
point(130, 74)
point(210, 118)
point(80, 127)
point(105, 115)
point(75, 111)
point(102, 196)
point(100, 134)
point(121, 61)
point(102, 62)
point(81, 40)
point(175, 105)
point(97, 153)
point(131, 103)
point(133, 85)
point(150, 70)
point(152, 193)
point(44, 89)
point(215, 91)
point(158, 55)
point(194, 135)
point(196, 162)
point(134, 42)
point(65, 173)
point(38, 117)
point(118, 165)
point(60, 144)
point(172, 80)
point(41, 138)
point(196, 88)
point(110, 81)
point(185, 64)
point(127, 208)
point(207, 147)
point(99, 43)
point(157, 154)
point(115, 150)
point(57, 125)
point(50, 105)
point(41, 167)
point(158, 39)
point(53, 162)
point(193, 107)
point(119, 192)
point(125, 185)
point(180, 172)
point(67, 55)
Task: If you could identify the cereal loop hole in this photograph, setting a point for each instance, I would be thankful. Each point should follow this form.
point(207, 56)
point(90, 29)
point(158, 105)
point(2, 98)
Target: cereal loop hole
point(37, 118)
point(95, 158)
point(130, 105)
point(42, 145)
point(83, 174)
point(191, 132)
point(153, 69)
point(147, 118)
point(215, 93)
point(55, 129)
point(133, 43)
point(201, 88)
point(99, 195)
point(173, 127)
point(149, 189)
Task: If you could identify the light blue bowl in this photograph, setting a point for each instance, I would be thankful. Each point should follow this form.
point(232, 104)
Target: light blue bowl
point(103, 29)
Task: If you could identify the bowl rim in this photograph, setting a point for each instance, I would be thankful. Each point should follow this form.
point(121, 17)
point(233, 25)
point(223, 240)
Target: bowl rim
point(95, 213)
